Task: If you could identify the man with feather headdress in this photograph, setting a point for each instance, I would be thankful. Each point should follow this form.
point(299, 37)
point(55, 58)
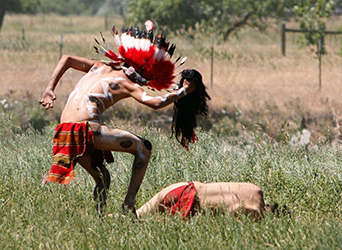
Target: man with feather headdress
point(82, 138)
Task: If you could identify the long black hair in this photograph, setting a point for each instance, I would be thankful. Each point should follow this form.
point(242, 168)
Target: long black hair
point(188, 107)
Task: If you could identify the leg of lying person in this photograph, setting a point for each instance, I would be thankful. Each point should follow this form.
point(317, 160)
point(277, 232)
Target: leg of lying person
point(122, 141)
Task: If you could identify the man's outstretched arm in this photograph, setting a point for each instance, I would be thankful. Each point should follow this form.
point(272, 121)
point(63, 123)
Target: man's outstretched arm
point(157, 102)
point(66, 62)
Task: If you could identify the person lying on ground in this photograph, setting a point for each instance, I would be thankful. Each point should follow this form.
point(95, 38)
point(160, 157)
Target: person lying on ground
point(185, 199)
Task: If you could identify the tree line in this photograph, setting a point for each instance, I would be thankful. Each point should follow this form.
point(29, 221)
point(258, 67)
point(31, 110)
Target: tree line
point(189, 17)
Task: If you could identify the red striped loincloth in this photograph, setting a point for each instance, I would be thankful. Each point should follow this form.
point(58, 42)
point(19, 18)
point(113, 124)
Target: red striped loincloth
point(70, 141)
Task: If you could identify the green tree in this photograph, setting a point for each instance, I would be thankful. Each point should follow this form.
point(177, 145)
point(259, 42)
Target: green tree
point(223, 17)
point(219, 17)
point(311, 16)
point(17, 6)
point(69, 7)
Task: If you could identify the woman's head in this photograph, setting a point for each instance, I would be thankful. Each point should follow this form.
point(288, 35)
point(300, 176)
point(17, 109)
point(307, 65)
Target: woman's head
point(187, 108)
point(191, 75)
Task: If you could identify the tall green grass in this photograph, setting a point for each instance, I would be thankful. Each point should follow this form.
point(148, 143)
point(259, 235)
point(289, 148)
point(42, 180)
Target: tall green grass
point(53, 216)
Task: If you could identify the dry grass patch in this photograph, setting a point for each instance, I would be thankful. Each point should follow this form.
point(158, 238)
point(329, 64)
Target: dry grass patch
point(250, 75)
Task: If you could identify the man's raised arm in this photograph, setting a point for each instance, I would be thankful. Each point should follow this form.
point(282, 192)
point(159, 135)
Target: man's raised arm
point(66, 62)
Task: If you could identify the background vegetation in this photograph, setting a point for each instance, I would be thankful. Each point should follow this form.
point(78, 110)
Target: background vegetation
point(259, 101)
point(252, 85)
point(220, 18)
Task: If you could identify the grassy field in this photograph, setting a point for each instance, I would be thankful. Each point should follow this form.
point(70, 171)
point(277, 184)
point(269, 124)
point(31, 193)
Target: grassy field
point(255, 91)
point(52, 216)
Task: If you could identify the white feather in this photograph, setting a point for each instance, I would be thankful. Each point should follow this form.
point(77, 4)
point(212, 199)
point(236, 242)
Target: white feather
point(106, 43)
point(158, 54)
point(108, 46)
point(161, 55)
point(143, 44)
point(137, 43)
point(182, 62)
point(102, 50)
point(124, 40)
point(155, 55)
point(117, 40)
point(147, 44)
point(130, 41)
point(166, 57)
point(127, 41)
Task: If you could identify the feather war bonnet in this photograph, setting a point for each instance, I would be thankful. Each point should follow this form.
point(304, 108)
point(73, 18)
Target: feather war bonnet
point(145, 60)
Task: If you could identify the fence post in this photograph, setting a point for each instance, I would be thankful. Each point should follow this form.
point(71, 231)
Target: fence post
point(106, 21)
point(60, 45)
point(212, 61)
point(320, 44)
point(283, 39)
point(23, 31)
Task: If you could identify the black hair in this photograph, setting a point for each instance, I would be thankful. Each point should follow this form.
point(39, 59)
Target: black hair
point(188, 107)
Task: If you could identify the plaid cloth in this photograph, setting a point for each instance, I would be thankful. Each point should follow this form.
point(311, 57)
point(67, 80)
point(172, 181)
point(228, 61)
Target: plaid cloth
point(70, 141)
point(181, 200)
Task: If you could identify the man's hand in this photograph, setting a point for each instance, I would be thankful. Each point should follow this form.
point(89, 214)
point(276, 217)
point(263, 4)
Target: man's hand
point(48, 98)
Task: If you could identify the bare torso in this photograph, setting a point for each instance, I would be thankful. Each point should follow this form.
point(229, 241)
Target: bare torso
point(230, 195)
point(98, 90)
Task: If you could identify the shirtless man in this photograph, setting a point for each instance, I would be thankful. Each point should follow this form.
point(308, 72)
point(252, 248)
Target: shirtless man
point(99, 89)
point(186, 199)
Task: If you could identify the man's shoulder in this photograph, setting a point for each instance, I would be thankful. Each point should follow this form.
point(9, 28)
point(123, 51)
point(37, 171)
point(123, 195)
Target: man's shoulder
point(105, 69)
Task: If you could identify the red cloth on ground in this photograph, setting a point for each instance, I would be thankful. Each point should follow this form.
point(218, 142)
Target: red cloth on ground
point(181, 200)
point(69, 142)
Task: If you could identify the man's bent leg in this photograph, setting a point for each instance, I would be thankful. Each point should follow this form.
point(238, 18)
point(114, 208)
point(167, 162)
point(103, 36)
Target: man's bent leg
point(122, 141)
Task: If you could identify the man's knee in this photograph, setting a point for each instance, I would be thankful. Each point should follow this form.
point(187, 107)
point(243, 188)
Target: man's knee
point(142, 154)
point(148, 145)
point(144, 151)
